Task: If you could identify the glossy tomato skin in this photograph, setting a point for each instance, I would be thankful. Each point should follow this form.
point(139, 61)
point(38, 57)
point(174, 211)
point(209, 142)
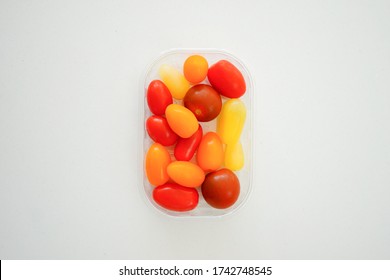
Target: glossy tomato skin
point(186, 147)
point(156, 163)
point(231, 121)
point(195, 68)
point(227, 79)
point(158, 97)
point(221, 188)
point(204, 101)
point(175, 197)
point(234, 156)
point(210, 152)
point(186, 173)
point(181, 120)
point(160, 131)
point(174, 80)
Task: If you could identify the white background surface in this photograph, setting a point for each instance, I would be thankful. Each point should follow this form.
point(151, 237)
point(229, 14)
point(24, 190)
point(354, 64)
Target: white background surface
point(69, 86)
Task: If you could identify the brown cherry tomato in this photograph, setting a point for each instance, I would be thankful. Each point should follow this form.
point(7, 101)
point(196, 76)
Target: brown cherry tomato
point(204, 101)
point(221, 188)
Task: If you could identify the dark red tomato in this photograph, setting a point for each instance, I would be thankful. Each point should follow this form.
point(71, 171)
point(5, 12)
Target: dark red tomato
point(227, 79)
point(186, 147)
point(159, 97)
point(204, 102)
point(221, 188)
point(175, 197)
point(159, 130)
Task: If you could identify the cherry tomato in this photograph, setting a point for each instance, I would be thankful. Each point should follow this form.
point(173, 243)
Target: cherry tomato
point(158, 97)
point(174, 80)
point(227, 79)
point(159, 130)
point(210, 152)
point(186, 147)
point(195, 69)
point(221, 188)
point(234, 156)
point(186, 173)
point(231, 121)
point(175, 197)
point(156, 163)
point(181, 120)
point(204, 102)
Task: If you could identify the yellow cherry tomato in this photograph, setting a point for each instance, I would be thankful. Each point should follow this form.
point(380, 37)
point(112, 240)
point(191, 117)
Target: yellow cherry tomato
point(210, 152)
point(156, 163)
point(195, 69)
point(234, 157)
point(181, 120)
point(231, 121)
point(186, 173)
point(174, 80)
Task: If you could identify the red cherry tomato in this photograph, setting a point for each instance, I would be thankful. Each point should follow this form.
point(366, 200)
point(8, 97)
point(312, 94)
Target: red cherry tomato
point(204, 102)
point(158, 97)
point(221, 188)
point(186, 147)
point(227, 79)
point(159, 130)
point(175, 197)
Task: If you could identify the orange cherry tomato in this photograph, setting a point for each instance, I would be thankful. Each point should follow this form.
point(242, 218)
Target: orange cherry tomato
point(156, 163)
point(210, 152)
point(195, 69)
point(186, 173)
point(181, 120)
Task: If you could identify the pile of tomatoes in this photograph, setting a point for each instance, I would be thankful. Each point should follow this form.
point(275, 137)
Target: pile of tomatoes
point(180, 102)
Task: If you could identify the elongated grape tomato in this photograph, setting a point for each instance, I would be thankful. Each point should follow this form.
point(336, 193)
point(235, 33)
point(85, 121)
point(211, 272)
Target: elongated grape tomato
point(186, 147)
point(156, 164)
point(174, 80)
point(234, 156)
point(231, 121)
point(181, 120)
point(227, 79)
point(210, 152)
point(186, 173)
point(160, 131)
point(158, 97)
point(175, 197)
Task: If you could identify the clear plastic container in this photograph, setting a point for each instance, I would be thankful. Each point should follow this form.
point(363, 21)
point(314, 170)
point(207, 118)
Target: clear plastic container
point(176, 58)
